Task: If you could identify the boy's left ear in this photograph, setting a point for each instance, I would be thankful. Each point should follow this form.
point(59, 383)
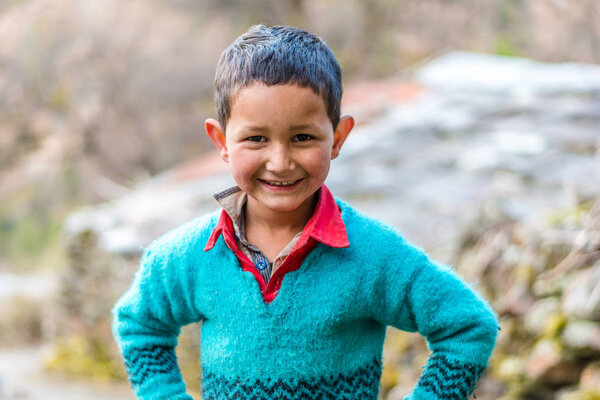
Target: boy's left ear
point(342, 131)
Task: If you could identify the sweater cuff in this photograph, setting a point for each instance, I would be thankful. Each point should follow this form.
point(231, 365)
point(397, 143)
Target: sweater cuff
point(154, 374)
point(446, 379)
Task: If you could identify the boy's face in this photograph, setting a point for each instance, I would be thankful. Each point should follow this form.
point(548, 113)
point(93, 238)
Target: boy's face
point(279, 144)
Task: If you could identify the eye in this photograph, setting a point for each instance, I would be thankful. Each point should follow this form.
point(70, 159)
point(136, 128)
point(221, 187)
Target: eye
point(302, 137)
point(256, 139)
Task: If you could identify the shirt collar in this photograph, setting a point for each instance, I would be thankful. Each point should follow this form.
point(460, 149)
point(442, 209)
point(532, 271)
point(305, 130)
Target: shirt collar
point(232, 200)
point(325, 225)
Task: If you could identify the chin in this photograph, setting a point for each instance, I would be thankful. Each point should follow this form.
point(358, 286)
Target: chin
point(284, 207)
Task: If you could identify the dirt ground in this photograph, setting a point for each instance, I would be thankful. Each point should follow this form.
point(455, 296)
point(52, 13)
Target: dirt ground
point(22, 378)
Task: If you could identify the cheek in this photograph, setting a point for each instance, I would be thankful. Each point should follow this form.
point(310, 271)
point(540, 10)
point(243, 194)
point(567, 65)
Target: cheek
point(317, 163)
point(243, 166)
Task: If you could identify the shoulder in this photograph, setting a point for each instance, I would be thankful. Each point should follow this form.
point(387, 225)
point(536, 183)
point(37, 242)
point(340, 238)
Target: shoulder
point(373, 236)
point(186, 240)
point(360, 226)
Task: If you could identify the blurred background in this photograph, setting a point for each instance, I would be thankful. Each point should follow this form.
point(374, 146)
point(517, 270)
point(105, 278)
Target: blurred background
point(478, 137)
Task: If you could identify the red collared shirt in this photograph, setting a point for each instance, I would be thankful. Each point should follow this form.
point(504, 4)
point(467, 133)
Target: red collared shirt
point(324, 226)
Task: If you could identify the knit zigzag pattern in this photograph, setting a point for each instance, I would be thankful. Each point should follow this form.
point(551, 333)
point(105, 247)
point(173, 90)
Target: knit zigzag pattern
point(143, 363)
point(363, 383)
point(450, 379)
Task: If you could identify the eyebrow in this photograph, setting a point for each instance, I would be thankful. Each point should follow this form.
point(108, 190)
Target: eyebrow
point(259, 129)
point(301, 127)
point(263, 129)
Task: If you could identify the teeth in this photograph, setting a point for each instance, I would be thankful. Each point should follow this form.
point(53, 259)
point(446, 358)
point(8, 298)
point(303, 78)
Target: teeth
point(277, 183)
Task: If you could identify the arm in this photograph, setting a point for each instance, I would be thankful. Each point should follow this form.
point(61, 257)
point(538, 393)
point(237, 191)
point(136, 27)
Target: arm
point(147, 321)
point(460, 327)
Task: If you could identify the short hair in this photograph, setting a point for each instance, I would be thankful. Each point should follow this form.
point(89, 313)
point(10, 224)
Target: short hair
point(275, 56)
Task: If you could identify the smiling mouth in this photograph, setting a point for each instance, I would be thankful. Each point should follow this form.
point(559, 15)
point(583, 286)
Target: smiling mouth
point(281, 183)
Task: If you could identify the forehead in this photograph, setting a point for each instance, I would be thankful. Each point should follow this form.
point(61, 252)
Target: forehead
point(277, 105)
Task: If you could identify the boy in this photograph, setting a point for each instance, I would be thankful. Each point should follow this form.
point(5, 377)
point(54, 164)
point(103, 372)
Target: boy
point(294, 288)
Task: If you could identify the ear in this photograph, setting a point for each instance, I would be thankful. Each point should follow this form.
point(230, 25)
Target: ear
point(214, 132)
point(342, 131)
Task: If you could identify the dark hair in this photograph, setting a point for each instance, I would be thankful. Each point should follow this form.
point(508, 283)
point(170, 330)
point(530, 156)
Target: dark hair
point(275, 56)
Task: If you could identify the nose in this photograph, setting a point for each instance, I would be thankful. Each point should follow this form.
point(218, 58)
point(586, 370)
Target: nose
point(279, 159)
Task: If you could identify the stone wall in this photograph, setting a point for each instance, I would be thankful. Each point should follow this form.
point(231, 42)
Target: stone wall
point(544, 282)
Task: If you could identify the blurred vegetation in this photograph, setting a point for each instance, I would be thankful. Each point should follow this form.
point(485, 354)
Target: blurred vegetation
point(31, 231)
point(85, 356)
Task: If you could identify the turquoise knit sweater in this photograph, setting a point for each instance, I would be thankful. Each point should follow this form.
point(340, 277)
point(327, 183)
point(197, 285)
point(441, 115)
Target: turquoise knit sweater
point(320, 338)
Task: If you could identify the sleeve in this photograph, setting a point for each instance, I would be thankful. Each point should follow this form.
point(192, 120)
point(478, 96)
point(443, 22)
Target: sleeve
point(146, 324)
point(458, 324)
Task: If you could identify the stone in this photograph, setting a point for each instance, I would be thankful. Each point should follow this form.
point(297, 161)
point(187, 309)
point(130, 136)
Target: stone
point(516, 301)
point(572, 393)
point(548, 287)
point(398, 392)
point(510, 369)
point(583, 336)
point(510, 76)
point(549, 365)
point(568, 393)
point(590, 376)
point(582, 294)
point(540, 313)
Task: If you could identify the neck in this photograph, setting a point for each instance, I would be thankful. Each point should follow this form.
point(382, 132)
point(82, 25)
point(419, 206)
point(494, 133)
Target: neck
point(271, 220)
